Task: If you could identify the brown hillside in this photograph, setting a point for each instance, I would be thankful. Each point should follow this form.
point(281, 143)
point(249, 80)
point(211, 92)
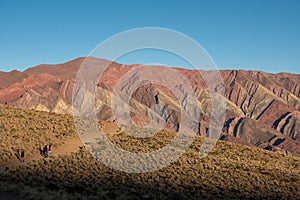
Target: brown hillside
point(230, 171)
point(31, 130)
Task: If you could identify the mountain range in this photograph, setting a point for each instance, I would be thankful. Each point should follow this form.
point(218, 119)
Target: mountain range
point(263, 109)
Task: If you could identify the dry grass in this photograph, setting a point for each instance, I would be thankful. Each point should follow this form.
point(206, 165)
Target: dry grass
point(230, 171)
point(31, 130)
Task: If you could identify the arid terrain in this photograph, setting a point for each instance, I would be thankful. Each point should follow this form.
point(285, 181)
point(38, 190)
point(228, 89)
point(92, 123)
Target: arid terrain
point(150, 100)
point(262, 108)
point(230, 171)
point(256, 156)
point(31, 130)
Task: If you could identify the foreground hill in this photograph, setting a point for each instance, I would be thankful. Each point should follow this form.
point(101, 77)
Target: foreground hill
point(31, 130)
point(230, 171)
point(262, 108)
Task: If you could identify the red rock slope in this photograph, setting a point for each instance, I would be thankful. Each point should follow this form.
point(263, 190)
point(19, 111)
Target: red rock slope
point(262, 108)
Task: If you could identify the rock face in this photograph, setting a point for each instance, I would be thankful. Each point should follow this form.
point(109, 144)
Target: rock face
point(263, 109)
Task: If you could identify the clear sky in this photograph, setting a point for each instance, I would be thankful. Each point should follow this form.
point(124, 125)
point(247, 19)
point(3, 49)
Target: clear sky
point(238, 34)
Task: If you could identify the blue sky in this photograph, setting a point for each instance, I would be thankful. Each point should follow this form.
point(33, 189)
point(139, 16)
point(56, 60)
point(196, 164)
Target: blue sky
point(238, 34)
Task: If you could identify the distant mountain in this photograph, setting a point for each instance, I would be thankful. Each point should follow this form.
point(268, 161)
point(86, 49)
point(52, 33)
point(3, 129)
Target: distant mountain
point(263, 109)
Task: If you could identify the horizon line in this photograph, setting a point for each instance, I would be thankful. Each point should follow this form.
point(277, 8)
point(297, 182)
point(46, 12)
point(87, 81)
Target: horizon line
point(162, 65)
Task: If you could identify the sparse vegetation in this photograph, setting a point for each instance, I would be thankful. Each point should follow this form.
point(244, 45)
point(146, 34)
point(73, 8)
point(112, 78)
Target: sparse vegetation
point(30, 130)
point(231, 171)
point(227, 173)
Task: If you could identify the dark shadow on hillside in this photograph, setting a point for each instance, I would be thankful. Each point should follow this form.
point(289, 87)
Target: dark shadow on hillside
point(9, 196)
point(120, 186)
